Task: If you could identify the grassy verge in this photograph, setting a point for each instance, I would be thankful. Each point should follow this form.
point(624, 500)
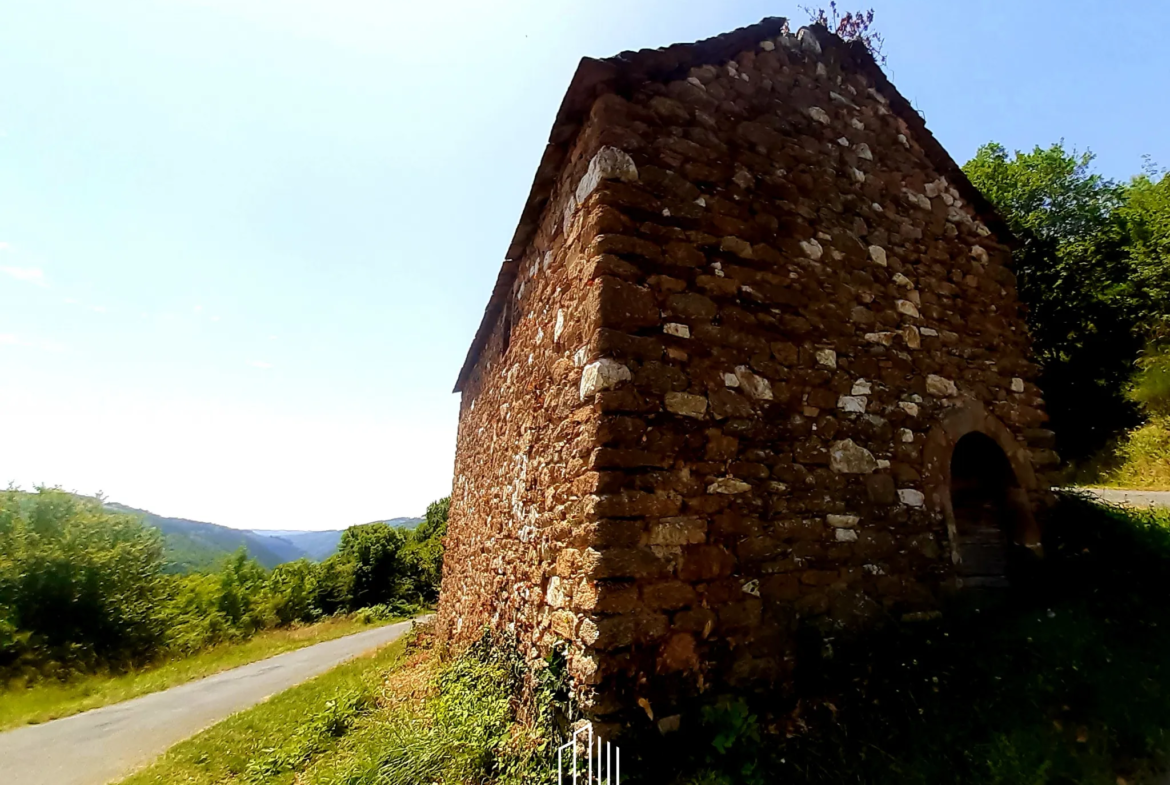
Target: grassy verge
point(1065, 679)
point(275, 740)
point(1140, 461)
point(393, 718)
point(45, 701)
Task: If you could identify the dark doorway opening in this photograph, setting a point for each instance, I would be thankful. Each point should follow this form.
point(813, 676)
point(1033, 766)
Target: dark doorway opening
point(985, 499)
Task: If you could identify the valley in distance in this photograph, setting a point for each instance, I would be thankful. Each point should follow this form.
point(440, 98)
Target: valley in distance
point(198, 545)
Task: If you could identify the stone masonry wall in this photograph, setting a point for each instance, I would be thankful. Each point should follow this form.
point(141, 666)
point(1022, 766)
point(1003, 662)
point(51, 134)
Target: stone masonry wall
point(526, 438)
point(752, 306)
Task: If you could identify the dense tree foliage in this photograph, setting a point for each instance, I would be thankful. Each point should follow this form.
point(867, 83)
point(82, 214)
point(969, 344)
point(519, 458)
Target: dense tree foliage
point(424, 551)
point(84, 587)
point(76, 582)
point(1094, 270)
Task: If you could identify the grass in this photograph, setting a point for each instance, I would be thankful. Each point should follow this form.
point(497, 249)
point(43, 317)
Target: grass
point(1066, 679)
point(273, 741)
point(1063, 680)
point(394, 718)
point(45, 701)
point(1140, 461)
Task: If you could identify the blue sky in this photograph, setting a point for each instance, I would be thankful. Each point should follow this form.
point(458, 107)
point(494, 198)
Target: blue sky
point(244, 245)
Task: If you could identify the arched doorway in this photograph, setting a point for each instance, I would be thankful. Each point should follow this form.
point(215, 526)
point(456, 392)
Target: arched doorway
point(988, 505)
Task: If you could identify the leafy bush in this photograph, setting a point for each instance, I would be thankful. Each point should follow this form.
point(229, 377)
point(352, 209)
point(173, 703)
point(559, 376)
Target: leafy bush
point(469, 729)
point(84, 588)
point(1093, 269)
point(80, 587)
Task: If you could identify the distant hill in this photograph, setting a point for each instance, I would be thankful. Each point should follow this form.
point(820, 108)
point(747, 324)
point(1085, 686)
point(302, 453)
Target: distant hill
point(320, 545)
point(405, 523)
point(317, 546)
point(198, 545)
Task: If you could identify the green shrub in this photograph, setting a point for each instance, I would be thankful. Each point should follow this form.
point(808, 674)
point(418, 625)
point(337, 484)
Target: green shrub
point(312, 737)
point(84, 588)
point(79, 586)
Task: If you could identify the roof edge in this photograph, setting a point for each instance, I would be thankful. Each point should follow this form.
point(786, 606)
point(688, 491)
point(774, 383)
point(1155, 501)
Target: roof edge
point(595, 77)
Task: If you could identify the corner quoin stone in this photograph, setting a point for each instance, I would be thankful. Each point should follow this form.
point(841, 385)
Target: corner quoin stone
point(601, 375)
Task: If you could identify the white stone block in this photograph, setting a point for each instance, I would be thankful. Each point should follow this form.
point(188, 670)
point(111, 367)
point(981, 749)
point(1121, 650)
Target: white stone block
point(601, 375)
point(728, 486)
point(847, 457)
point(559, 327)
point(843, 521)
point(940, 387)
point(686, 404)
point(609, 163)
point(756, 386)
point(812, 249)
point(911, 497)
point(852, 404)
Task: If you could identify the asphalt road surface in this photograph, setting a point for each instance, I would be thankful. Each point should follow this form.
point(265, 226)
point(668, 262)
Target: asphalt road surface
point(107, 744)
point(1132, 498)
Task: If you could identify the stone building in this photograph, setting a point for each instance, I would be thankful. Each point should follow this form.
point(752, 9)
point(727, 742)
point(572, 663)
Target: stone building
point(754, 360)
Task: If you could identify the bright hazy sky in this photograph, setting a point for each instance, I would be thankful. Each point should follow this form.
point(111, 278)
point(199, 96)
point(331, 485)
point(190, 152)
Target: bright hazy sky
point(244, 245)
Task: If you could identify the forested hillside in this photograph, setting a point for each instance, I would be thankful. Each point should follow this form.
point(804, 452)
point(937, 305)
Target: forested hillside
point(197, 545)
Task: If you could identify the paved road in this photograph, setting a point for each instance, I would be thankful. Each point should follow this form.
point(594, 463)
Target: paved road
point(1133, 498)
point(107, 744)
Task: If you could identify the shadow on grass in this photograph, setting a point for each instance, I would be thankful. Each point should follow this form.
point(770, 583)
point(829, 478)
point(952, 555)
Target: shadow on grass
point(1063, 679)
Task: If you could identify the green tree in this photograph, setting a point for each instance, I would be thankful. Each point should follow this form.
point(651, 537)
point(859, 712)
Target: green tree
point(423, 553)
point(292, 591)
point(78, 584)
point(334, 588)
point(242, 580)
point(375, 551)
point(1076, 275)
point(1146, 214)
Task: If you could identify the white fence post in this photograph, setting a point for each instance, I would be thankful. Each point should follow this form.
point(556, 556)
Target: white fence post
point(607, 755)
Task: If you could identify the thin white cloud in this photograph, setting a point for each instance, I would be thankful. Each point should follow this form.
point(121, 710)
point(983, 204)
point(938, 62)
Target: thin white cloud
point(70, 301)
point(98, 308)
point(33, 275)
point(198, 309)
point(9, 339)
point(260, 364)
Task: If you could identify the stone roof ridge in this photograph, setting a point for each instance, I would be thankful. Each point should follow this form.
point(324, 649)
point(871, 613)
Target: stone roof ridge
point(595, 77)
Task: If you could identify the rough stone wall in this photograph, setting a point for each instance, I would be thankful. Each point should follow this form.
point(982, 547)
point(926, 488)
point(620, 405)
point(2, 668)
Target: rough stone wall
point(526, 436)
point(777, 316)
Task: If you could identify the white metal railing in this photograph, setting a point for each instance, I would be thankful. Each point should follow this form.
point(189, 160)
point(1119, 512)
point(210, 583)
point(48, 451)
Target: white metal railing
point(603, 762)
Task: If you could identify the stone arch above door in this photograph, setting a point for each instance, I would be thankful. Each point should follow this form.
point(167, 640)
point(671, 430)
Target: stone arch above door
point(972, 417)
